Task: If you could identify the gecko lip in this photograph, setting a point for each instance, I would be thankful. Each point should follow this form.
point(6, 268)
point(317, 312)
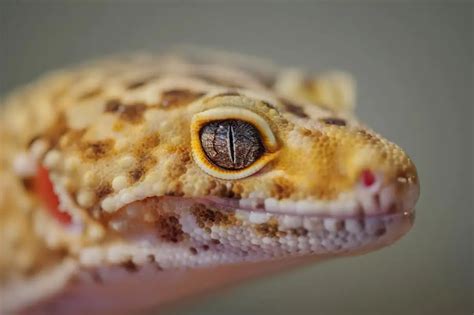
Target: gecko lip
point(382, 200)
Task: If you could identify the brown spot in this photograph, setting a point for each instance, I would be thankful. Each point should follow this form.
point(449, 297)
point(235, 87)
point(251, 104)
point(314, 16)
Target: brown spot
point(129, 266)
point(333, 121)
point(282, 188)
point(112, 106)
point(90, 94)
point(381, 231)
point(215, 242)
point(193, 250)
point(149, 142)
point(294, 109)
point(365, 134)
point(145, 160)
point(309, 133)
point(169, 228)
point(299, 232)
point(136, 174)
point(269, 105)
point(207, 217)
point(268, 81)
point(103, 190)
point(205, 247)
point(144, 163)
point(176, 191)
point(132, 113)
point(95, 150)
point(152, 260)
point(224, 191)
point(269, 229)
point(178, 97)
point(28, 183)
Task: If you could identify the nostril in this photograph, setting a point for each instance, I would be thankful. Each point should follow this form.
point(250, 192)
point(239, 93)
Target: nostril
point(368, 178)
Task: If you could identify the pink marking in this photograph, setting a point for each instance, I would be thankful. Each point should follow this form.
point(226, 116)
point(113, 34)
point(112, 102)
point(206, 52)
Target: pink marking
point(368, 178)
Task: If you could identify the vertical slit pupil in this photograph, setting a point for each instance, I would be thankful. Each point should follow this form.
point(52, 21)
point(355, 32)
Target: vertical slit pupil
point(231, 144)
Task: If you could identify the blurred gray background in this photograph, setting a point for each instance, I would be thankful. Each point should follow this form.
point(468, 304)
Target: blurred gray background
point(414, 66)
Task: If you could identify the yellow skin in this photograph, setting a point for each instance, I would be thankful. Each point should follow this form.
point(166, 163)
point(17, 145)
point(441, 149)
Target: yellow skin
point(125, 132)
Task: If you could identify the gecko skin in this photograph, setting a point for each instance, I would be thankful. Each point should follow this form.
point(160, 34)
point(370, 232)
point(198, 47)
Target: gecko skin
point(134, 181)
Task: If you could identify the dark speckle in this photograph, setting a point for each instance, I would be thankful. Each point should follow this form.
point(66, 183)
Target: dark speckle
point(178, 97)
point(193, 250)
point(294, 109)
point(269, 105)
point(136, 174)
point(169, 228)
point(145, 162)
point(379, 232)
point(152, 260)
point(132, 113)
point(129, 266)
point(334, 121)
point(299, 232)
point(267, 229)
point(206, 217)
point(97, 149)
point(112, 106)
point(28, 183)
point(103, 190)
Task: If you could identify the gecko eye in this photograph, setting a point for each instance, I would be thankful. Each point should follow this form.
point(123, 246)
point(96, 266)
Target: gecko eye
point(231, 142)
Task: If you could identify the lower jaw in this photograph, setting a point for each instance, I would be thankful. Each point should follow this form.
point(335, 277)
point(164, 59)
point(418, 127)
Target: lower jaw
point(181, 232)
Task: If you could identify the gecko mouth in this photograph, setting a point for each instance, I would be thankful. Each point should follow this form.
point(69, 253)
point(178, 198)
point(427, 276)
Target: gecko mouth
point(369, 217)
point(255, 229)
point(236, 234)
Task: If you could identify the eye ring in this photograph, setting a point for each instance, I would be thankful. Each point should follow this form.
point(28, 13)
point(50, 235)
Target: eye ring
point(200, 120)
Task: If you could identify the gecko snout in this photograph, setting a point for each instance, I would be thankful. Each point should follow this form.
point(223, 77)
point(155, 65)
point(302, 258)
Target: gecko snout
point(386, 179)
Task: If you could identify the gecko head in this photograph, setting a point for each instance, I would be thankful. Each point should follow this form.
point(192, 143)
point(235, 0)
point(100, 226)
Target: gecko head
point(264, 182)
point(297, 174)
point(233, 177)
